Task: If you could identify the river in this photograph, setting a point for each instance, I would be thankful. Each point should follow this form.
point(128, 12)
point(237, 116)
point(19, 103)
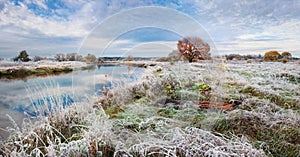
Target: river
point(19, 98)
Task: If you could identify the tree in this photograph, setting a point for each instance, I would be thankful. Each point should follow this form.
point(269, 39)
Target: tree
point(259, 56)
point(286, 55)
point(60, 57)
point(78, 57)
point(37, 58)
point(23, 56)
point(271, 56)
point(193, 49)
point(233, 56)
point(71, 56)
point(90, 58)
point(129, 58)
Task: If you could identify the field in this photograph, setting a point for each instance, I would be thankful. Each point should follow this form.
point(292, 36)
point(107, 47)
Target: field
point(180, 109)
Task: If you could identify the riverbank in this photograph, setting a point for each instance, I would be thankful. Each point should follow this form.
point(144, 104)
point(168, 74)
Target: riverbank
point(22, 70)
point(141, 64)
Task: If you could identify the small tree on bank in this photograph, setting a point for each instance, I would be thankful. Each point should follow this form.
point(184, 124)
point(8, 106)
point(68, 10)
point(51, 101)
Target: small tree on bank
point(193, 49)
point(23, 56)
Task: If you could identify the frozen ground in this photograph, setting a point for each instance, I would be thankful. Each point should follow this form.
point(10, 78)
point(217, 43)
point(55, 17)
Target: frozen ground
point(161, 115)
point(4, 65)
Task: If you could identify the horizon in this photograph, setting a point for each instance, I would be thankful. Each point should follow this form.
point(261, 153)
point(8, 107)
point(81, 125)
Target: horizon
point(49, 27)
point(114, 56)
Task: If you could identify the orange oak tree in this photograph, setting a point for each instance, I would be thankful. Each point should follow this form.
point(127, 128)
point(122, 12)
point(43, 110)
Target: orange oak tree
point(193, 49)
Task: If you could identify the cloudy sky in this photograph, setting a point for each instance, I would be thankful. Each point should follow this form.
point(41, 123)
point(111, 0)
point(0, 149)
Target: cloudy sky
point(147, 27)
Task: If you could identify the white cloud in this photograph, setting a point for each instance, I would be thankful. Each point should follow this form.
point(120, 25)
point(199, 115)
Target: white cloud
point(14, 18)
point(259, 47)
point(151, 49)
point(245, 26)
point(94, 44)
point(23, 28)
point(286, 30)
point(40, 3)
point(282, 37)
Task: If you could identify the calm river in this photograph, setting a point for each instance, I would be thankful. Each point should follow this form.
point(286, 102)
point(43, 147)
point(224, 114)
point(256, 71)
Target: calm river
point(18, 97)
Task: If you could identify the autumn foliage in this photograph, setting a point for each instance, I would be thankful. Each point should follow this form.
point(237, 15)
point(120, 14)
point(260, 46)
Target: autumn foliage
point(271, 56)
point(193, 49)
point(286, 55)
point(275, 55)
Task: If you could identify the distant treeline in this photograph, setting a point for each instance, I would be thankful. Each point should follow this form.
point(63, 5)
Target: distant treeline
point(129, 58)
point(90, 58)
point(173, 56)
point(247, 57)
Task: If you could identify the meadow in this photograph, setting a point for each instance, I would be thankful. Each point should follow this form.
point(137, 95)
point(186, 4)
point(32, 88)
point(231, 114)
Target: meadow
point(181, 109)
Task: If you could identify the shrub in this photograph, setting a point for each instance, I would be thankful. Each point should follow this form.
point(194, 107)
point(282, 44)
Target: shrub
point(286, 55)
point(162, 59)
point(284, 60)
point(271, 56)
point(37, 58)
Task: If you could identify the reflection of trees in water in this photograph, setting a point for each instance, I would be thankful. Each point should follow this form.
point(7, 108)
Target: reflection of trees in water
point(129, 69)
point(106, 65)
point(90, 68)
point(117, 78)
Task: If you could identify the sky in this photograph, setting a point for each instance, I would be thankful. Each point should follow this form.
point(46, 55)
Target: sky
point(147, 27)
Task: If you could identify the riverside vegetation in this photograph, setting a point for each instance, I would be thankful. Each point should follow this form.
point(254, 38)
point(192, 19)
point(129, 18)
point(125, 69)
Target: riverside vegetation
point(23, 72)
point(23, 67)
point(163, 115)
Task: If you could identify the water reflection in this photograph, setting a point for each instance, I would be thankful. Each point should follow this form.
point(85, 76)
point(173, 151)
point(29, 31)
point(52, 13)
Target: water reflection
point(19, 97)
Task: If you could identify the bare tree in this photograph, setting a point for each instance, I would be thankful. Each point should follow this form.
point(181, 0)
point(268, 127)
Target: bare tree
point(37, 58)
point(129, 58)
point(79, 57)
point(71, 56)
point(60, 57)
point(90, 58)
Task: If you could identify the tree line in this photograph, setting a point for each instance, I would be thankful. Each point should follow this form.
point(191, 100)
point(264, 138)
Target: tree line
point(24, 57)
point(191, 49)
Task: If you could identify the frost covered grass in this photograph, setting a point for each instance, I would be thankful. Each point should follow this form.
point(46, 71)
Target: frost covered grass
point(43, 63)
point(21, 70)
point(161, 115)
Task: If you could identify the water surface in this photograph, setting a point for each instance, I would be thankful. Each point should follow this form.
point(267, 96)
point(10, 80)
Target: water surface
point(18, 98)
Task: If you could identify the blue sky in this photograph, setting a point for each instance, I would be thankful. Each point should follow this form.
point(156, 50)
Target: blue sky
point(45, 27)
